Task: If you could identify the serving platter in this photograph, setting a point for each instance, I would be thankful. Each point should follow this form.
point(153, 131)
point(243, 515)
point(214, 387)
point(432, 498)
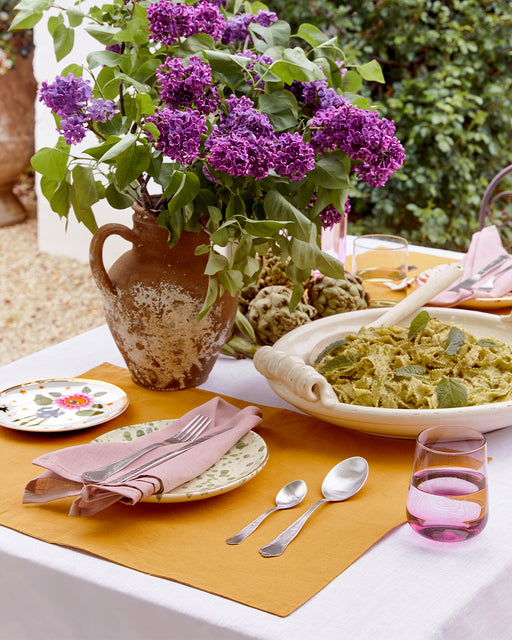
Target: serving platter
point(287, 367)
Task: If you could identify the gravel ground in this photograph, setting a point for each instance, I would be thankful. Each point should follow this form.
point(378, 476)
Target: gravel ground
point(44, 299)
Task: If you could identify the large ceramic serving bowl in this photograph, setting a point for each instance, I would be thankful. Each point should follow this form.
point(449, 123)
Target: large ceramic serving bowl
point(287, 368)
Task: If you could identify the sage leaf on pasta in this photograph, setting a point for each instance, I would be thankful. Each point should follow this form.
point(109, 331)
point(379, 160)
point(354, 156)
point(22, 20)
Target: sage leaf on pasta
point(454, 341)
point(451, 393)
point(418, 324)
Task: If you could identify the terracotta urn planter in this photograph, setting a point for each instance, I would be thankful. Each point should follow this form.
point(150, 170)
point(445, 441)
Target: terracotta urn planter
point(17, 99)
point(152, 296)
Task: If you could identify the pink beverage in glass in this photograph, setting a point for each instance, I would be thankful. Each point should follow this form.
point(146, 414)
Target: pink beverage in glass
point(447, 498)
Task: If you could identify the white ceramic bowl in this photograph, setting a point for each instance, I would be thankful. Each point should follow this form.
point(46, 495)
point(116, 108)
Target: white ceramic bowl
point(285, 365)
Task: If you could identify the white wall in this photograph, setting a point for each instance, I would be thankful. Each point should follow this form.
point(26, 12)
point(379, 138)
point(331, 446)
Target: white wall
point(53, 236)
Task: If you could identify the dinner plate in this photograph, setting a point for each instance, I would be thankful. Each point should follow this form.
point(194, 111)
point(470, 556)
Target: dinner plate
point(286, 367)
point(236, 467)
point(60, 404)
point(479, 304)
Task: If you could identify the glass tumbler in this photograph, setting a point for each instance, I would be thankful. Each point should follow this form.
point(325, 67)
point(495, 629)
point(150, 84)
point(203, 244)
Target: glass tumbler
point(381, 263)
point(447, 499)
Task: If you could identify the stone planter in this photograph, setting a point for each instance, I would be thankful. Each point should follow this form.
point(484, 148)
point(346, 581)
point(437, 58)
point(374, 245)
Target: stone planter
point(18, 90)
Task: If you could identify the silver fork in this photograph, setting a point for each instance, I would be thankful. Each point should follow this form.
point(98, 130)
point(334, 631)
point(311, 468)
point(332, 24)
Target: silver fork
point(489, 284)
point(190, 432)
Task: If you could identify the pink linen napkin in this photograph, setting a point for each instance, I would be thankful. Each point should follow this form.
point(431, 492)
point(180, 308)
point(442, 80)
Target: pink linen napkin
point(485, 246)
point(63, 477)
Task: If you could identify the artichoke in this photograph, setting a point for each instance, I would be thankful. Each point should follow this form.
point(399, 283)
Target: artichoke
point(272, 272)
point(330, 296)
point(270, 314)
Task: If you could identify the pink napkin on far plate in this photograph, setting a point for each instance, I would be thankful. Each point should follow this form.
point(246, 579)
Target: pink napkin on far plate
point(63, 477)
point(485, 246)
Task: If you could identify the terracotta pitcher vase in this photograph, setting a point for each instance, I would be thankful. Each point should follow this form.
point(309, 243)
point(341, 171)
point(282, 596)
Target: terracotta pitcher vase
point(152, 296)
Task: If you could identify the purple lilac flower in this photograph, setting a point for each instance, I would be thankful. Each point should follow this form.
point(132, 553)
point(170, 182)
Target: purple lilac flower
point(116, 48)
point(70, 99)
point(180, 133)
point(331, 216)
point(266, 18)
point(317, 95)
point(364, 137)
point(243, 116)
point(73, 127)
point(101, 110)
point(186, 86)
point(65, 96)
point(294, 157)
point(237, 28)
point(240, 153)
point(209, 20)
point(168, 21)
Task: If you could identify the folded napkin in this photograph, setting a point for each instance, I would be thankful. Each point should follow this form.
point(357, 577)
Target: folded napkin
point(63, 477)
point(485, 246)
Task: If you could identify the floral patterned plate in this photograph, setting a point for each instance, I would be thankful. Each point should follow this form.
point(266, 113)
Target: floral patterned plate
point(236, 467)
point(60, 404)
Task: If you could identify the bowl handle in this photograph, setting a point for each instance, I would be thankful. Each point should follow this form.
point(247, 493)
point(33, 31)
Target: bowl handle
point(300, 378)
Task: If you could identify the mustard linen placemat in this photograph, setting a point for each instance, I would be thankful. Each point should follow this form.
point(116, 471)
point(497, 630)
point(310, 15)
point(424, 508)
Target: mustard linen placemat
point(186, 541)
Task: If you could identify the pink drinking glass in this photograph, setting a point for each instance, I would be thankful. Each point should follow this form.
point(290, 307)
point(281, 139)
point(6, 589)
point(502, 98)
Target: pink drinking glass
point(447, 499)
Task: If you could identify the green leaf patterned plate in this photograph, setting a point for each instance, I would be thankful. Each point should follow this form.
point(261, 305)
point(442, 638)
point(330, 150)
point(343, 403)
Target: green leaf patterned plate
point(61, 404)
point(236, 467)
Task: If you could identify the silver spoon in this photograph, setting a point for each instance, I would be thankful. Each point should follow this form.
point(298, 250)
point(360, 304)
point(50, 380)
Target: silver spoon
point(342, 482)
point(289, 496)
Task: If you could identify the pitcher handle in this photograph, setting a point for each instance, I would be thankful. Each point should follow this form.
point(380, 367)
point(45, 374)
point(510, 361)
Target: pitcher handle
point(98, 270)
point(300, 378)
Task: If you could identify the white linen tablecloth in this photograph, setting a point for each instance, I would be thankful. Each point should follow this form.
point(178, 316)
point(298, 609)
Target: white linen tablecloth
point(402, 587)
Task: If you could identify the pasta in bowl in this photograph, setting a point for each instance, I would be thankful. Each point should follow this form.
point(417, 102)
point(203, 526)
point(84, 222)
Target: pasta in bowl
point(293, 369)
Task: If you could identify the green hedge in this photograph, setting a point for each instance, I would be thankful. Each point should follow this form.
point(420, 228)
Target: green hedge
point(449, 90)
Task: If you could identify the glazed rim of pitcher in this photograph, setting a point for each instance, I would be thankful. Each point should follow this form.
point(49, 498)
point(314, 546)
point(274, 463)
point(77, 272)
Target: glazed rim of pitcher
point(474, 440)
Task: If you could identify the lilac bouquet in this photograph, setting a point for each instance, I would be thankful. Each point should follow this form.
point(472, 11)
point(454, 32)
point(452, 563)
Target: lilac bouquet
point(209, 114)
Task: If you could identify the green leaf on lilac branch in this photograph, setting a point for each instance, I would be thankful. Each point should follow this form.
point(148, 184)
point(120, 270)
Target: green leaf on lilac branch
point(60, 201)
point(116, 198)
point(277, 207)
point(371, 71)
point(330, 173)
point(276, 35)
point(185, 193)
point(104, 59)
point(294, 65)
point(105, 34)
point(132, 164)
point(351, 82)
point(63, 41)
point(84, 186)
point(51, 163)
point(86, 217)
point(311, 34)
point(119, 147)
point(281, 108)
point(211, 296)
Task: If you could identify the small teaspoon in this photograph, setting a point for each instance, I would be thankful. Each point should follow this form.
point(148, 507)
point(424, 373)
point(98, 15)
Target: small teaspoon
point(289, 496)
point(342, 482)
